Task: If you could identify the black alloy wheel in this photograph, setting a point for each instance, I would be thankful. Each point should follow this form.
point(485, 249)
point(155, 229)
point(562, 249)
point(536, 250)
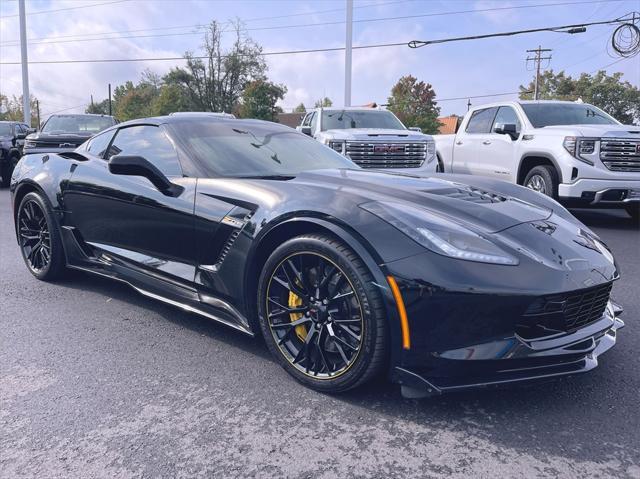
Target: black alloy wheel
point(38, 237)
point(316, 314)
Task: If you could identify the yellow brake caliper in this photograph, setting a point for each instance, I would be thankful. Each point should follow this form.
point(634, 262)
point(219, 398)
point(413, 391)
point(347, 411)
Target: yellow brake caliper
point(294, 302)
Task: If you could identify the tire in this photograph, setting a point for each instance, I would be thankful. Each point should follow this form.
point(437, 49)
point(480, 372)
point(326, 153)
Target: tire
point(439, 166)
point(634, 212)
point(543, 179)
point(39, 238)
point(7, 170)
point(314, 351)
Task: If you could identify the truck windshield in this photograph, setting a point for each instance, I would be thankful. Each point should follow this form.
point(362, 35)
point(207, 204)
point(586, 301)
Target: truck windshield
point(77, 124)
point(550, 114)
point(343, 119)
point(235, 148)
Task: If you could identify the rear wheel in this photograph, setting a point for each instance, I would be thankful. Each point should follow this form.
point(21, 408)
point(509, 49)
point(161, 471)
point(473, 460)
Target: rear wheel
point(634, 211)
point(320, 315)
point(543, 179)
point(39, 238)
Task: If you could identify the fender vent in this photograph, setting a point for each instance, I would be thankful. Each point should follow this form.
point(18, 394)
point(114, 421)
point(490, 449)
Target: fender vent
point(231, 240)
point(474, 195)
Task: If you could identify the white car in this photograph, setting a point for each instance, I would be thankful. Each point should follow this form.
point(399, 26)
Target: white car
point(571, 151)
point(372, 138)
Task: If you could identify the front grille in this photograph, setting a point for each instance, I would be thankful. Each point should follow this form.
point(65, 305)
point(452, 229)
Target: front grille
point(568, 311)
point(386, 155)
point(620, 154)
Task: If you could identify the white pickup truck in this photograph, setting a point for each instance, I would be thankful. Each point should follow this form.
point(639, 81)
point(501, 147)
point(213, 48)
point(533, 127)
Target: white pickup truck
point(372, 138)
point(573, 152)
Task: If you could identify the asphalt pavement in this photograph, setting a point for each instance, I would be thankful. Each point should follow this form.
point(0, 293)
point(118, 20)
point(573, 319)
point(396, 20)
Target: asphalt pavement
point(99, 381)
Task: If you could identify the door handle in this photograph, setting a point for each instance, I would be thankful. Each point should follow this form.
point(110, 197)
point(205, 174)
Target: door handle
point(459, 142)
point(486, 142)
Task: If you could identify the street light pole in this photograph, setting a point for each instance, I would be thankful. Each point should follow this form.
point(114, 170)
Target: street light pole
point(26, 106)
point(347, 54)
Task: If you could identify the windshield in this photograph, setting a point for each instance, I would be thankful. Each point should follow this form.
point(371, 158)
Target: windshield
point(341, 119)
point(550, 114)
point(5, 129)
point(229, 148)
point(77, 124)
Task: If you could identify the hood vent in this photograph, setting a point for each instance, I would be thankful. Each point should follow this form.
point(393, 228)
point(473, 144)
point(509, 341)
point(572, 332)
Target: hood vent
point(475, 195)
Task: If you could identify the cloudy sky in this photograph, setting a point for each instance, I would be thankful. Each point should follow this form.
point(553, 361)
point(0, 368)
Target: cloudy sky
point(63, 30)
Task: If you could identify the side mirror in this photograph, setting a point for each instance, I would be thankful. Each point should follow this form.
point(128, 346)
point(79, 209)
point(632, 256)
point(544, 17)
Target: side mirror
point(506, 129)
point(31, 130)
point(306, 130)
point(21, 136)
point(139, 166)
point(415, 128)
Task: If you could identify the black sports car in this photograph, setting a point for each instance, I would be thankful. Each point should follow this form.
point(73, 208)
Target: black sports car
point(445, 283)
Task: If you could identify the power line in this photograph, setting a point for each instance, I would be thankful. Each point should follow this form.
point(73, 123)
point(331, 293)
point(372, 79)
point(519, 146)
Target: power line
point(79, 38)
point(39, 12)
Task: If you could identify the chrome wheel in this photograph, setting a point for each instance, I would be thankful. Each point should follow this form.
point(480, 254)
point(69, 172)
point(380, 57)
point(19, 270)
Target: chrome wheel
point(537, 183)
point(315, 315)
point(35, 237)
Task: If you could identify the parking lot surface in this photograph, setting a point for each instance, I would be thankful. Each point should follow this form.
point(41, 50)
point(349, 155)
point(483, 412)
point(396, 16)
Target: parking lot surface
point(98, 381)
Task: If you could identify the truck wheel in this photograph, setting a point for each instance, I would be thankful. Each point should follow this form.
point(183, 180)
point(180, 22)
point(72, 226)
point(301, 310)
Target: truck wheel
point(7, 170)
point(634, 212)
point(543, 179)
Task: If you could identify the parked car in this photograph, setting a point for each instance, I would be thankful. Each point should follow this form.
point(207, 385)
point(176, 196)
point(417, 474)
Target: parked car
point(444, 283)
point(12, 135)
point(372, 138)
point(205, 113)
point(62, 133)
point(570, 151)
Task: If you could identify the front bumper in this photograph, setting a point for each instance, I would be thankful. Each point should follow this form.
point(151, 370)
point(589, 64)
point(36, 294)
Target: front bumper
point(520, 361)
point(601, 192)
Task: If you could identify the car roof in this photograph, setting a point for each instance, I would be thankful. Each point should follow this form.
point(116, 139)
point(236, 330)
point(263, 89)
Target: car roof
point(185, 118)
point(97, 115)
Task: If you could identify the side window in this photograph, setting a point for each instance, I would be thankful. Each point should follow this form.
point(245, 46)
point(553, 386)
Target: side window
point(506, 116)
point(481, 121)
point(149, 142)
point(20, 129)
point(314, 122)
point(97, 145)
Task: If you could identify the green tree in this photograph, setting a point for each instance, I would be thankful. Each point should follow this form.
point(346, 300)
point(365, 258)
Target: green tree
point(100, 108)
point(619, 98)
point(413, 102)
point(323, 103)
point(300, 108)
point(259, 100)
point(11, 109)
point(171, 98)
point(217, 82)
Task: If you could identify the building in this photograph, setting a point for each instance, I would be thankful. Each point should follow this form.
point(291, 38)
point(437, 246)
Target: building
point(449, 124)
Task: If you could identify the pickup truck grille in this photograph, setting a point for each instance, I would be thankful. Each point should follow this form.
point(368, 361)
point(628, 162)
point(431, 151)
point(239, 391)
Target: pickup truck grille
point(620, 154)
point(386, 155)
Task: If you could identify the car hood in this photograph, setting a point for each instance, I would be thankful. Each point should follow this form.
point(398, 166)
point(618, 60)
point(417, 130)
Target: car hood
point(375, 134)
point(74, 139)
point(616, 131)
point(487, 206)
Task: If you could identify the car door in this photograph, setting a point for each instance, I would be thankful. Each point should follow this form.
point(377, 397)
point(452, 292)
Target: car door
point(501, 161)
point(127, 216)
point(469, 151)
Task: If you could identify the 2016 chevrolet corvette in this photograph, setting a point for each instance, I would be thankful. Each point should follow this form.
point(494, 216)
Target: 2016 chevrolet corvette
point(443, 282)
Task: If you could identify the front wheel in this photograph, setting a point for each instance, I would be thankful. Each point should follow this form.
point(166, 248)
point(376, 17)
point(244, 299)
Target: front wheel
point(634, 211)
point(39, 238)
point(320, 314)
point(543, 179)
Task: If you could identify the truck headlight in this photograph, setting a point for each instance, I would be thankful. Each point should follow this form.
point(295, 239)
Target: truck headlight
point(431, 151)
point(337, 145)
point(580, 146)
point(439, 235)
point(29, 144)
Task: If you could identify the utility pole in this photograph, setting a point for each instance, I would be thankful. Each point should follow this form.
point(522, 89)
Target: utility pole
point(109, 99)
point(26, 106)
point(347, 54)
point(538, 59)
point(37, 112)
point(468, 103)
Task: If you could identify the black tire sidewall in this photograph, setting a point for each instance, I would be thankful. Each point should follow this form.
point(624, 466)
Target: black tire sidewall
point(361, 370)
point(57, 263)
point(549, 175)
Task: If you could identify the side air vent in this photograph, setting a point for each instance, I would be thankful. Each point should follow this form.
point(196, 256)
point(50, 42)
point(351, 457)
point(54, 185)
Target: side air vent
point(231, 240)
point(474, 195)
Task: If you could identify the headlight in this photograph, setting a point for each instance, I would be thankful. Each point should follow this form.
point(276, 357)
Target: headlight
point(439, 235)
point(580, 146)
point(431, 151)
point(337, 145)
point(29, 144)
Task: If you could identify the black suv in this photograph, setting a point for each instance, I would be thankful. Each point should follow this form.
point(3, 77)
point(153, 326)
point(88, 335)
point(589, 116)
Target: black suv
point(12, 137)
point(63, 133)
